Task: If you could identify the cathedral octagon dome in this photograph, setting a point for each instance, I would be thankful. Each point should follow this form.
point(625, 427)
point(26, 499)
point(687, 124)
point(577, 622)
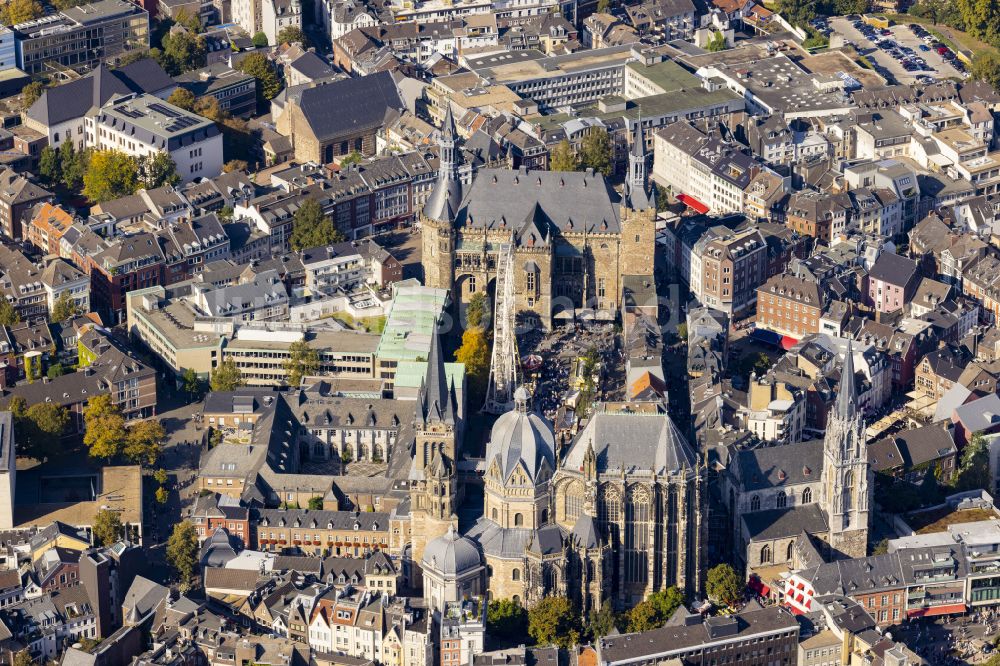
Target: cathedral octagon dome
point(521, 436)
point(451, 555)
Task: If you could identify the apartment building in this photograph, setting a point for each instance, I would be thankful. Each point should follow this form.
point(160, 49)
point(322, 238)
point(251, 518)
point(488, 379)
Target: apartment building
point(81, 37)
point(817, 214)
point(141, 125)
point(731, 267)
point(261, 354)
point(790, 305)
point(18, 196)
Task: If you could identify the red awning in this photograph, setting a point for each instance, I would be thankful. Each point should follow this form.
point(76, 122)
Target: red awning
point(692, 203)
point(946, 609)
point(788, 342)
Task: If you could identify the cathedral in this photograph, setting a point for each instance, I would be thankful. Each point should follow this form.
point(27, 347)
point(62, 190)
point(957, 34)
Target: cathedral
point(574, 237)
point(808, 499)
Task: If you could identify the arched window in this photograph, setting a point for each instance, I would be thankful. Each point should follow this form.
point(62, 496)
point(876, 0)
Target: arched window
point(518, 520)
point(765, 554)
point(494, 514)
point(545, 516)
point(755, 503)
point(781, 499)
point(807, 496)
point(515, 574)
point(788, 553)
point(516, 599)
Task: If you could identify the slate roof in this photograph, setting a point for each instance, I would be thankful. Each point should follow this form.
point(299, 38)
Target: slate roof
point(979, 415)
point(894, 269)
point(911, 447)
point(782, 523)
point(513, 542)
point(775, 466)
point(632, 441)
point(349, 106)
point(145, 75)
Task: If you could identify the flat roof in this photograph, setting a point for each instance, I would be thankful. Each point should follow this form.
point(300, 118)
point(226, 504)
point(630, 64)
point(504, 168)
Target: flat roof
point(335, 341)
point(409, 374)
point(512, 67)
point(412, 321)
point(154, 115)
point(120, 490)
point(174, 321)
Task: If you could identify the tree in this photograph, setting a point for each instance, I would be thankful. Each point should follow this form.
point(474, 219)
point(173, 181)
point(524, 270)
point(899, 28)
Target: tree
point(269, 82)
point(8, 314)
point(655, 610)
point(111, 175)
point(506, 619)
point(682, 331)
point(142, 443)
point(235, 165)
point(182, 98)
point(48, 165)
point(974, 469)
point(981, 19)
point(563, 158)
point(190, 21)
point(595, 152)
point(724, 585)
point(182, 553)
point(17, 406)
point(881, 548)
point(208, 107)
point(30, 94)
point(104, 432)
point(22, 658)
point(162, 495)
point(662, 198)
point(758, 364)
point(13, 12)
point(476, 311)
point(192, 385)
point(716, 43)
point(64, 307)
point(259, 40)
point(158, 169)
point(986, 67)
point(160, 476)
point(797, 12)
point(554, 621)
point(475, 354)
point(603, 622)
point(42, 428)
point(107, 527)
point(603, 6)
point(315, 503)
point(291, 34)
point(55, 370)
point(302, 361)
point(226, 377)
point(133, 56)
point(181, 52)
point(353, 157)
point(72, 165)
point(311, 228)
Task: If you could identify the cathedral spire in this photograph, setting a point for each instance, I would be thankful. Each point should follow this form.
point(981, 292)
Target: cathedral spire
point(444, 202)
point(637, 195)
point(438, 401)
point(847, 398)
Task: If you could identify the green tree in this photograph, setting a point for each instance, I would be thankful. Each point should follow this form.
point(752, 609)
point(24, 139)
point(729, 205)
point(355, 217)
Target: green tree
point(986, 67)
point(142, 443)
point(724, 585)
point(226, 377)
point(291, 34)
point(353, 157)
point(72, 165)
point(259, 40)
point(104, 427)
point(797, 12)
point(55, 370)
point(662, 198)
point(181, 52)
point(107, 527)
point(554, 621)
point(602, 622)
point(190, 21)
point(48, 165)
point(302, 361)
point(269, 82)
point(654, 611)
point(881, 548)
point(563, 158)
point(182, 553)
point(315, 503)
point(311, 228)
point(506, 619)
point(716, 43)
point(595, 152)
point(41, 429)
point(160, 476)
point(158, 169)
point(64, 307)
point(974, 469)
point(235, 165)
point(191, 383)
point(133, 56)
point(182, 98)
point(981, 19)
point(758, 364)
point(476, 311)
point(30, 94)
point(13, 12)
point(162, 495)
point(475, 354)
point(17, 406)
point(22, 658)
point(8, 314)
point(110, 175)
point(603, 6)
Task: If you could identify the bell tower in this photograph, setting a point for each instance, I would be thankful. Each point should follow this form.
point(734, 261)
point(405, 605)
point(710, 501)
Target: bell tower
point(638, 212)
point(437, 219)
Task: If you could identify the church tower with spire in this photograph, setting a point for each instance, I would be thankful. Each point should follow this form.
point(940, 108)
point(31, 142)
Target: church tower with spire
point(638, 212)
point(847, 476)
point(437, 219)
point(433, 487)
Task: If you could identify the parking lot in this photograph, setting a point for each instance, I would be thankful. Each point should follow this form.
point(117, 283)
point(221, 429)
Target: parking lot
point(897, 48)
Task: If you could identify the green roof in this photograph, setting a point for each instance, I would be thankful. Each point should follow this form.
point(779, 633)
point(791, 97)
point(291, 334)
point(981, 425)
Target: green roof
point(411, 323)
point(666, 74)
point(409, 374)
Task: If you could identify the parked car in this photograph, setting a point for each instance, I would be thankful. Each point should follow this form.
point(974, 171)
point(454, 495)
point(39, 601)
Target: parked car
point(924, 47)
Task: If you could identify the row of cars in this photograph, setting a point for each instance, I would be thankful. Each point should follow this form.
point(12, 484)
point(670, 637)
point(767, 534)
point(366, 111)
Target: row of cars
point(908, 57)
point(931, 43)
